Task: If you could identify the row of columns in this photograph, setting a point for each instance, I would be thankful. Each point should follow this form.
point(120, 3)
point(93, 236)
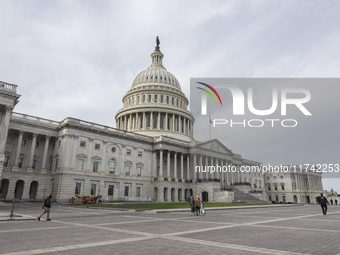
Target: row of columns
point(32, 150)
point(168, 165)
point(204, 162)
point(308, 182)
point(145, 121)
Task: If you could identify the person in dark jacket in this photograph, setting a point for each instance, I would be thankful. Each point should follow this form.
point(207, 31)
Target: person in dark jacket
point(192, 205)
point(323, 203)
point(47, 208)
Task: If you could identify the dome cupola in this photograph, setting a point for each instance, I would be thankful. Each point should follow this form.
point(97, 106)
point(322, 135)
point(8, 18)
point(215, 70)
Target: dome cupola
point(155, 104)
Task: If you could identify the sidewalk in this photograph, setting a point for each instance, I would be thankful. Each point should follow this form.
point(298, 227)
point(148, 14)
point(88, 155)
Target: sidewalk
point(16, 217)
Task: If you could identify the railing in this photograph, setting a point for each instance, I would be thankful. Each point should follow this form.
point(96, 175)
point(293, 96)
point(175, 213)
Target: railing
point(104, 128)
point(25, 117)
point(8, 86)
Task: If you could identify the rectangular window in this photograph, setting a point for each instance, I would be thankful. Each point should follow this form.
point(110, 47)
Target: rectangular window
point(270, 198)
point(6, 160)
point(34, 163)
point(97, 146)
point(155, 98)
point(126, 191)
point(51, 164)
point(127, 170)
point(172, 101)
point(283, 187)
point(143, 98)
point(277, 198)
point(112, 166)
point(95, 166)
point(138, 192)
point(93, 189)
point(128, 152)
point(275, 187)
point(139, 171)
point(21, 160)
point(81, 164)
point(37, 144)
point(148, 122)
point(162, 99)
point(138, 100)
point(56, 164)
point(82, 143)
point(149, 98)
point(110, 190)
point(77, 188)
point(140, 154)
point(167, 99)
point(284, 198)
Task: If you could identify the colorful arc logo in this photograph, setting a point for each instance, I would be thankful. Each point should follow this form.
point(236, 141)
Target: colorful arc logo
point(209, 93)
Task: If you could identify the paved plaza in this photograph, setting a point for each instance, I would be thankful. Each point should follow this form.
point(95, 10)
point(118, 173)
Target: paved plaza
point(273, 230)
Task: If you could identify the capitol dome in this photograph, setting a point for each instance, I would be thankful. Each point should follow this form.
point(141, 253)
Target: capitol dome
point(155, 104)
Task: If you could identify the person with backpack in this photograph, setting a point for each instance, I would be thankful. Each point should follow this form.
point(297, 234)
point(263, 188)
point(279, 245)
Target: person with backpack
point(47, 208)
point(323, 203)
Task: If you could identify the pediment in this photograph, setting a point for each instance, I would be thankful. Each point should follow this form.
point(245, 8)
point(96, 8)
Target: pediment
point(214, 146)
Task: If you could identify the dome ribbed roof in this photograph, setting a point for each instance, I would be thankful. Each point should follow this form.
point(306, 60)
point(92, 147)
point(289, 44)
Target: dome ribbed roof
point(156, 74)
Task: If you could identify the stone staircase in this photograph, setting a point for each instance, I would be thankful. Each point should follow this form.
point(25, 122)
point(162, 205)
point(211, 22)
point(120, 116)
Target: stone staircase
point(240, 197)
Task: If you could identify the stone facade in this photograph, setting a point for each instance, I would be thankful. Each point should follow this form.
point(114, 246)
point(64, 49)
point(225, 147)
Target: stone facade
point(294, 187)
point(150, 155)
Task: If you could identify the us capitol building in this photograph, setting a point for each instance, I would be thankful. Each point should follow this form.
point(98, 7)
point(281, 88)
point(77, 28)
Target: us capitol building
point(151, 155)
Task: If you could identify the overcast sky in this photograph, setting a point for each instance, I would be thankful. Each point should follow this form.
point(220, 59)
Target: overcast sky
point(78, 58)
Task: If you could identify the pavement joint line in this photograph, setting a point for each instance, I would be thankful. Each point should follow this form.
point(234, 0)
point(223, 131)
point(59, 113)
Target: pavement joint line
point(72, 247)
point(303, 229)
point(233, 246)
point(34, 229)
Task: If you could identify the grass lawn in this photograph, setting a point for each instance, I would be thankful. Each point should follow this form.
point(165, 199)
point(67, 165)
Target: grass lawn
point(157, 206)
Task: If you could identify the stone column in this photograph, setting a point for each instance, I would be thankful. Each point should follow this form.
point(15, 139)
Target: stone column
point(206, 167)
point(125, 123)
point(3, 135)
point(151, 120)
point(154, 164)
point(137, 122)
point(161, 163)
point(144, 121)
point(159, 121)
point(200, 174)
point(17, 152)
point(166, 122)
point(188, 167)
point(168, 166)
point(43, 165)
point(182, 167)
point(175, 166)
point(195, 174)
point(30, 162)
point(180, 124)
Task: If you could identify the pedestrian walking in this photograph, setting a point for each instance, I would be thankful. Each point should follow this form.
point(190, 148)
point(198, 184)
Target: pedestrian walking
point(336, 202)
point(202, 210)
point(323, 203)
point(47, 208)
point(331, 201)
point(192, 205)
point(198, 205)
